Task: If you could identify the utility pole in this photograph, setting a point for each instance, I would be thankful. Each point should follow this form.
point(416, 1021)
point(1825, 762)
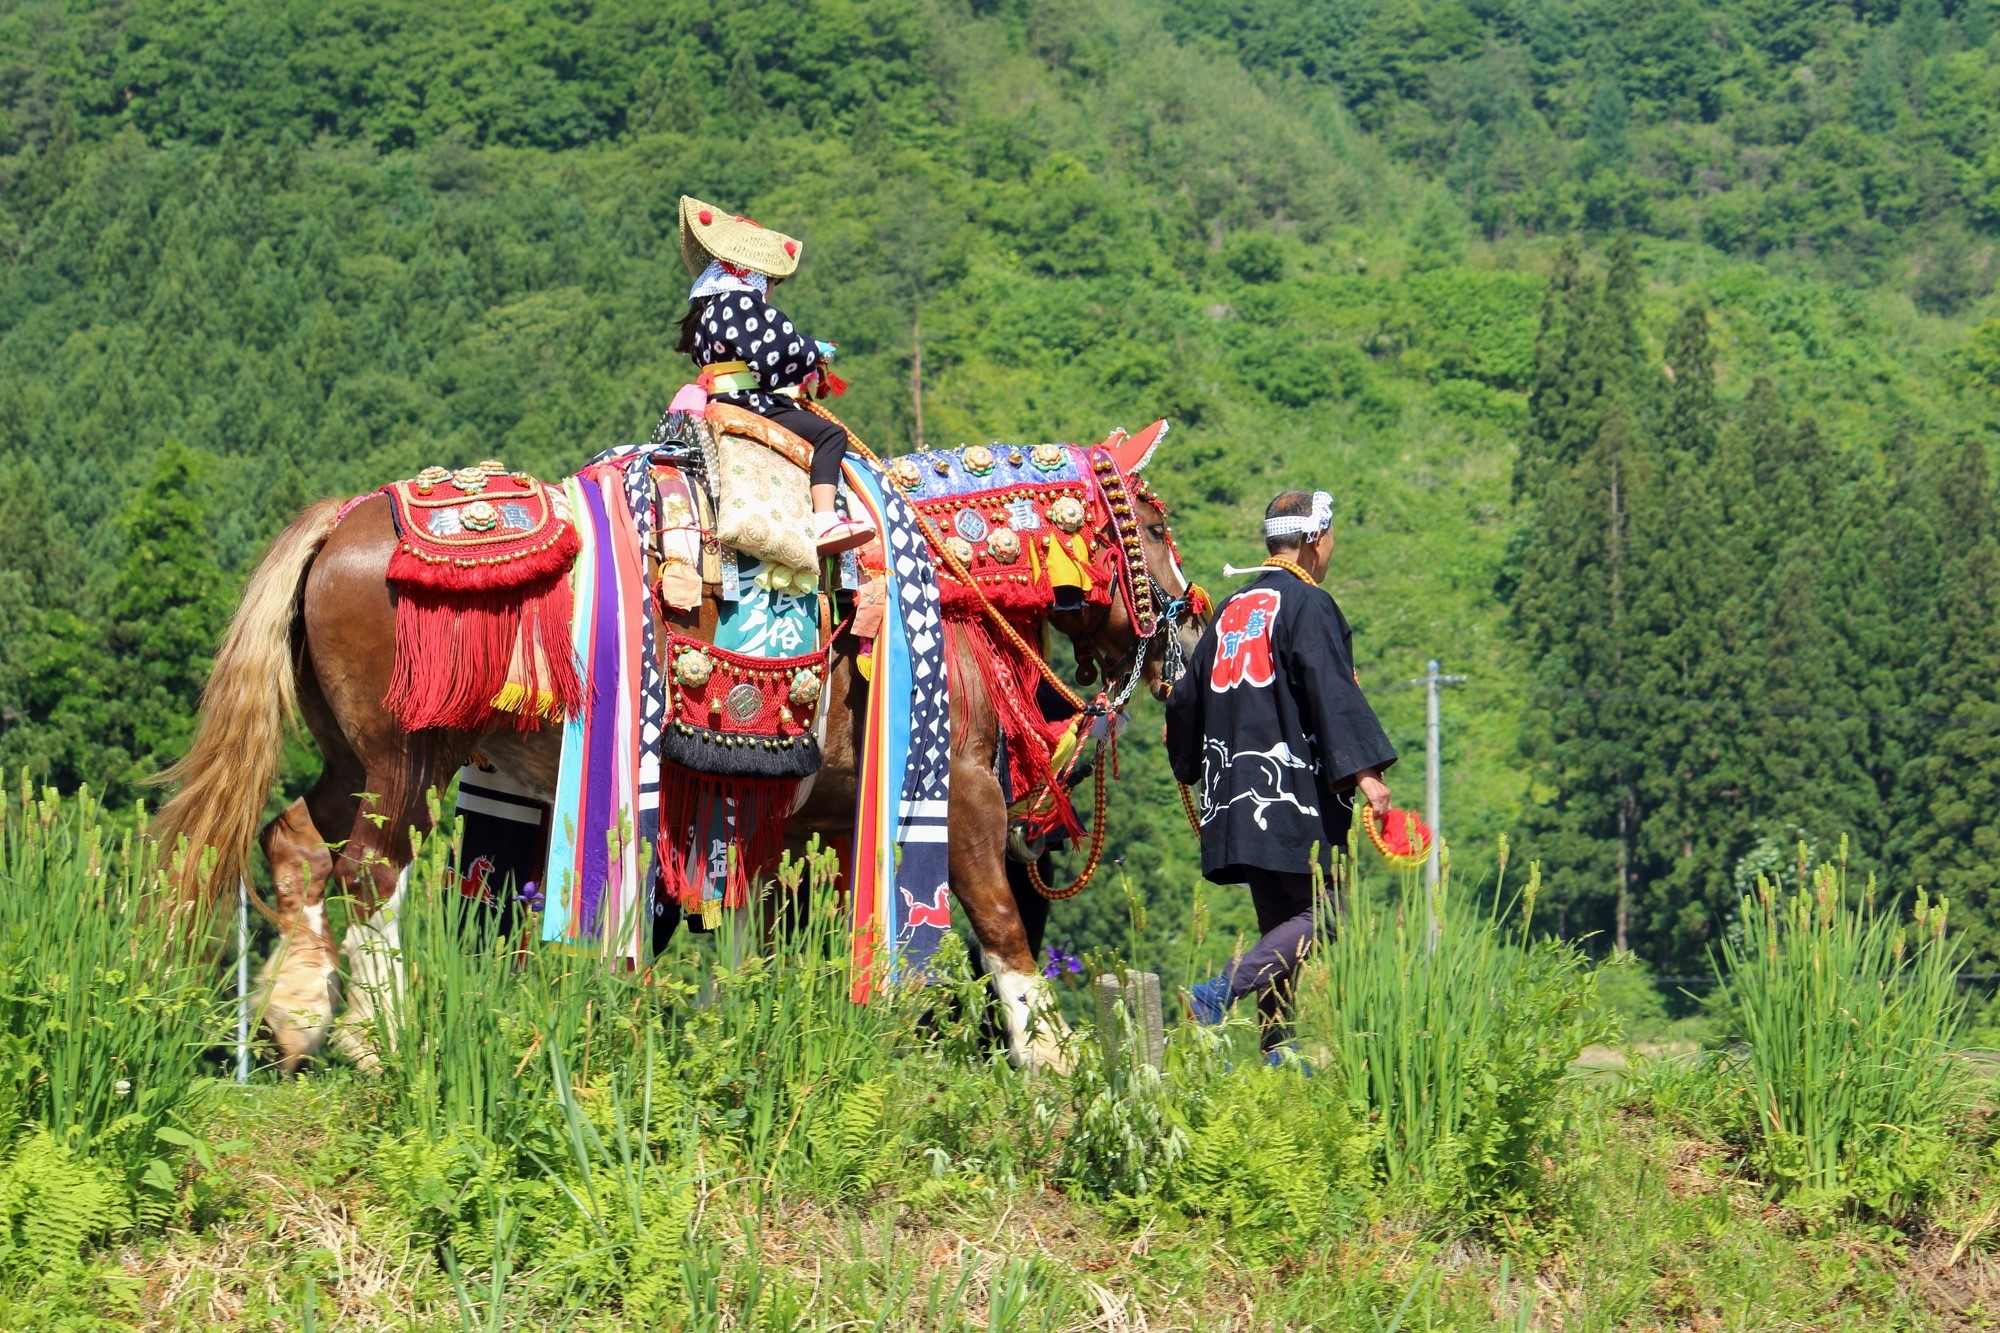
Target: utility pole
point(243, 980)
point(1431, 680)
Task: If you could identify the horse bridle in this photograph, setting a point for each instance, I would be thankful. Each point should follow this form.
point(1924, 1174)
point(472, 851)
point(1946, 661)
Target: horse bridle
point(1166, 621)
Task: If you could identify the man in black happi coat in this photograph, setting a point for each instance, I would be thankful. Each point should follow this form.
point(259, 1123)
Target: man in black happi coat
point(1270, 726)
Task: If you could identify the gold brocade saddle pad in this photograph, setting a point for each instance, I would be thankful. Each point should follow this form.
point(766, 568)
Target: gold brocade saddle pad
point(763, 503)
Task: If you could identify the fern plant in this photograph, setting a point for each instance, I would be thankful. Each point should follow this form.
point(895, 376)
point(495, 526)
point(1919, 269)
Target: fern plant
point(52, 1201)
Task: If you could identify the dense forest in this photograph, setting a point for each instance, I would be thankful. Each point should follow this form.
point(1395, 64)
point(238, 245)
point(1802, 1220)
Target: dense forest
point(1649, 348)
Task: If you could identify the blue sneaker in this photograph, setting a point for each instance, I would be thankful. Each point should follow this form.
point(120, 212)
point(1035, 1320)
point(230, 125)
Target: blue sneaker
point(1284, 1057)
point(1208, 1001)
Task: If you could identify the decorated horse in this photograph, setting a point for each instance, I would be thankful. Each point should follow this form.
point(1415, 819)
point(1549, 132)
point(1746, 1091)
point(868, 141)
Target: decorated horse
point(637, 654)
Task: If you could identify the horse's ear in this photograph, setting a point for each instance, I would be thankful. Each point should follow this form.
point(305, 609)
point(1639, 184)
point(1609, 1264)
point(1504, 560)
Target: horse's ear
point(1132, 452)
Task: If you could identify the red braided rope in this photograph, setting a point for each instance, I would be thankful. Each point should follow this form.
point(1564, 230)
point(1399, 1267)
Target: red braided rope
point(1187, 807)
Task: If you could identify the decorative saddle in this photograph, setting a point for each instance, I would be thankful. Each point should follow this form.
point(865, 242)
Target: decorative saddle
point(481, 576)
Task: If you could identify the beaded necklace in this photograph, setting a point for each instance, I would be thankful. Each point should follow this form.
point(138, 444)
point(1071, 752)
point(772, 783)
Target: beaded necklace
point(1290, 567)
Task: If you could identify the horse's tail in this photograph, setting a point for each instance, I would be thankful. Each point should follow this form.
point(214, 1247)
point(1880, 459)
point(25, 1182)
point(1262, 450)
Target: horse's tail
point(250, 700)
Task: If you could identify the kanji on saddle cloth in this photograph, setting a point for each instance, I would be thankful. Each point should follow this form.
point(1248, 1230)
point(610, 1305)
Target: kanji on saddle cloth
point(1022, 531)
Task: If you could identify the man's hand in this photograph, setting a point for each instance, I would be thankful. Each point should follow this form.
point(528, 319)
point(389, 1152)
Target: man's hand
point(1377, 792)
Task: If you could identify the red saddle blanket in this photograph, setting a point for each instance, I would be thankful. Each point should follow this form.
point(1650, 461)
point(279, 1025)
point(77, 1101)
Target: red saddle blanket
point(481, 576)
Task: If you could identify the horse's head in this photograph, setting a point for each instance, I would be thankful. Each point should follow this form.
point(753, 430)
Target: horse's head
point(1154, 617)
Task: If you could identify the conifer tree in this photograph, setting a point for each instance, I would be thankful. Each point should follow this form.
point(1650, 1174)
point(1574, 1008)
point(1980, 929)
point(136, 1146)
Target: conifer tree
point(1949, 839)
point(1573, 600)
point(167, 609)
point(1878, 94)
point(1565, 304)
point(1687, 565)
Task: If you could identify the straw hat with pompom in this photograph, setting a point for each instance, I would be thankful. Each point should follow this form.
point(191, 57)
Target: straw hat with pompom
point(708, 232)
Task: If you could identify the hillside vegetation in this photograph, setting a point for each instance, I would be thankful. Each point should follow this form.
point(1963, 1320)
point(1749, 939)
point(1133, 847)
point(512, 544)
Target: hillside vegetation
point(262, 253)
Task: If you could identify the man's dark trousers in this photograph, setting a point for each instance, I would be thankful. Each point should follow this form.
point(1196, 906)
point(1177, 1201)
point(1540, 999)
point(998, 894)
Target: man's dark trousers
point(1288, 918)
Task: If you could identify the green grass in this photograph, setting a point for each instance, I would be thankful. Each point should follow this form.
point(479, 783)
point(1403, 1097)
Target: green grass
point(1849, 1016)
point(726, 1141)
point(105, 1011)
point(1452, 1030)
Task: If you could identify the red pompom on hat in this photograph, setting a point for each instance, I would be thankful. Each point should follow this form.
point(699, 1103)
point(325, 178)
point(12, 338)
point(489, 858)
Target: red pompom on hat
point(707, 218)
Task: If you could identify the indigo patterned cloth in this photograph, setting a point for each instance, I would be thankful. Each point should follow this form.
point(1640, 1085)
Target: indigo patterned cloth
point(901, 864)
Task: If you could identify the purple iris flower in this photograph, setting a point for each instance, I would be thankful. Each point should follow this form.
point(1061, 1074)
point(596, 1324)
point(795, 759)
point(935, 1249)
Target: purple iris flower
point(1061, 960)
point(531, 896)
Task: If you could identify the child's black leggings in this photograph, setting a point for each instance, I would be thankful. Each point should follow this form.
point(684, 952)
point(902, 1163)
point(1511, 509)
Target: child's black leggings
point(829, 441)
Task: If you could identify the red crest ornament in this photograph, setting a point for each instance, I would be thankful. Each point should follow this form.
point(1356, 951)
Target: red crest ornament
point(1243, 641)
point(1132, 452)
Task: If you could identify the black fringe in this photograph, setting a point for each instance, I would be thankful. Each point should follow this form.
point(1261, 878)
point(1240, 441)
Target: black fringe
point(706, 751)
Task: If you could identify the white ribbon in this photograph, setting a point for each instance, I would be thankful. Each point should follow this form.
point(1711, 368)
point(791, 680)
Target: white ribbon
point(1304, 525)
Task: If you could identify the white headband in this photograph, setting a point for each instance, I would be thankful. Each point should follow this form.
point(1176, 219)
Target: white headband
point(1304, 525)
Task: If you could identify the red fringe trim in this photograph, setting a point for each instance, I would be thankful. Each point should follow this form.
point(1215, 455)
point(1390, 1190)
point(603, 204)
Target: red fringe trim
point(498, 572)
point(693, 806)
point(454, 648)
point(1016, 601)
point(1010, 680)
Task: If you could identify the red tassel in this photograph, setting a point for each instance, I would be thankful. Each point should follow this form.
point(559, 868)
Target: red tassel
point(1031, 739)
point(692, 804)
point(831, 383)
point(453, 650)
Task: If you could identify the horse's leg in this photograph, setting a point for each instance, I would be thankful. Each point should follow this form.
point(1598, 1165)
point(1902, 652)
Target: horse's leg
point(1035, 1031)
point(978, 847)
point(1036, 1034)
point(377, 858)
point(299, 985)
point(350, 636)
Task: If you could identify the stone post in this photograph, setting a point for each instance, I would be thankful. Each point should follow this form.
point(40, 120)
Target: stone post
point(1139, 992)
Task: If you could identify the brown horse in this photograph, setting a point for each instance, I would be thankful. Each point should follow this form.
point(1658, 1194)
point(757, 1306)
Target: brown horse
point(315, 634)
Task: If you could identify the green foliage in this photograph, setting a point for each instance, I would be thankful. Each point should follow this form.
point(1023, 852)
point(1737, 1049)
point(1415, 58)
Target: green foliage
point(1454, 1041)
point(1850, 1017)
point(1131, 1130)
point(262, 255)
point(51, 1202)
point(105, 1003)
point(1272, 1160)
point(1271, 1164)
point(1439, 238)
point(1762, 129)
point(1740, 629)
